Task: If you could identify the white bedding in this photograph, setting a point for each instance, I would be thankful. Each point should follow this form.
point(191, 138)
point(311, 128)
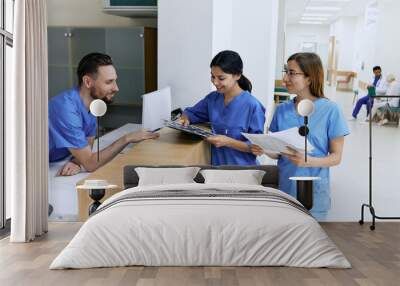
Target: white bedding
point(183, 231)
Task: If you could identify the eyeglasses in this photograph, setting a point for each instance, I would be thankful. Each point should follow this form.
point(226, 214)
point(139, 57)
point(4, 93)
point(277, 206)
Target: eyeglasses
point(291, 73)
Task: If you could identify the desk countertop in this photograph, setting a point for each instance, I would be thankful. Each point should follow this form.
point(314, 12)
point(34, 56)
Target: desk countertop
point(172, 148)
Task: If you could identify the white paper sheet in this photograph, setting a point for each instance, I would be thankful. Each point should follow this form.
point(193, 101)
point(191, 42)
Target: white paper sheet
point(277, 142)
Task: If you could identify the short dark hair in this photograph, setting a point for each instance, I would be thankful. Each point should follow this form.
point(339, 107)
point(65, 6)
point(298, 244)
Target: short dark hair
point(376, 68)
point(90, 63)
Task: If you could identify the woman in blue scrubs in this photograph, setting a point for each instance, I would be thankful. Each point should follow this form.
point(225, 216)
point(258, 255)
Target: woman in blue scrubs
point(231, 110)
point(304, 77)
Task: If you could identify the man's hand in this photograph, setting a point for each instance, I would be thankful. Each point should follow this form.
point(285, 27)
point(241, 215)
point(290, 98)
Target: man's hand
point(219, 140)
point(69, 169)
point(140, 135)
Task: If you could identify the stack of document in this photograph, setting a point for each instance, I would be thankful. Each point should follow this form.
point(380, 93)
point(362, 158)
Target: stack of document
point(277, 142)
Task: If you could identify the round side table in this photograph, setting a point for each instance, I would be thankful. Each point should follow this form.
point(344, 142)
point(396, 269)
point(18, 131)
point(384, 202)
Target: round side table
point(96, 193)
point(304, 187)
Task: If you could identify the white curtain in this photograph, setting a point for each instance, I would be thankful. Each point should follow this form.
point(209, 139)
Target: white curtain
point(26, 123)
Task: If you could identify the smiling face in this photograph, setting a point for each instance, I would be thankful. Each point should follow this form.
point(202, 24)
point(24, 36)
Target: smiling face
point(295, 80)
point(224, 82)
point(103, 85)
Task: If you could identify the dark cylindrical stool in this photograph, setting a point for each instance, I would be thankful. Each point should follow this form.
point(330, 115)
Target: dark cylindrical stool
point(96, 195)
point(305, 190)
point(97, 190)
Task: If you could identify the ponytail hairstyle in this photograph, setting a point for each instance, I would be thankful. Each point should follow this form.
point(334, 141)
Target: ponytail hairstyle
point(231, 63)
point(311, 65)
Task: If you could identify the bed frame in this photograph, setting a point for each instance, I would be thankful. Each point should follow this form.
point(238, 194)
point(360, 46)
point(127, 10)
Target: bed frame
point(270, 179)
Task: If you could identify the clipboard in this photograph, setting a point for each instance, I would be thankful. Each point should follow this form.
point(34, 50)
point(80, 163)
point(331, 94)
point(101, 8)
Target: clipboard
point(189, 129)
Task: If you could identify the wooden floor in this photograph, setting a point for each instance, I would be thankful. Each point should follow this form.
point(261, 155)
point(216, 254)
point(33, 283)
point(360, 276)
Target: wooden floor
point(374, 255)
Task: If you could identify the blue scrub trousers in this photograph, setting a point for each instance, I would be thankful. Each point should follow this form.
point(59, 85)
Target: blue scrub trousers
point(369, 102)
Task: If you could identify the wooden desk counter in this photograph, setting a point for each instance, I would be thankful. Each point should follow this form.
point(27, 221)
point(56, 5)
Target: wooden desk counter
point(172, 148)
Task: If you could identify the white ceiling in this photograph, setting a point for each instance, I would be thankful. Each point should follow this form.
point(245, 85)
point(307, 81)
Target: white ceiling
point(295, 9)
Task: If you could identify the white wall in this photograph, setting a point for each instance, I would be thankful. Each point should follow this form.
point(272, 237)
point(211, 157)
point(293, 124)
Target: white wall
point(281, 40)
point(184, 51)
point(344, 31)
point(299, 33)
point(388, 40)
point(255, 38)
point(365, 48)
point(222, 25)
point(191, 32)
point(362, 50)
point(375, 38)
point(88, 13)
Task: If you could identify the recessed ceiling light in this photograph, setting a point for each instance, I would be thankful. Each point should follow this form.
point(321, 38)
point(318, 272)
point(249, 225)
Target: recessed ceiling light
point(330, 0)
point(310, 22)
point(314, 18)
point(316, 15)
point(323, 8)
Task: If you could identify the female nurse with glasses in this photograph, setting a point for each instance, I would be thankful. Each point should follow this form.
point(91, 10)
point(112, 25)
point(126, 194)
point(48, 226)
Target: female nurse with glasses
point(304, 77)
point(231, 110)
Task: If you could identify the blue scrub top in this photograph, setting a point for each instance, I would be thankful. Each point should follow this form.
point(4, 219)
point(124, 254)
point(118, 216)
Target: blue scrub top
point(70, 123)
point(243, 114)
point(326, 123)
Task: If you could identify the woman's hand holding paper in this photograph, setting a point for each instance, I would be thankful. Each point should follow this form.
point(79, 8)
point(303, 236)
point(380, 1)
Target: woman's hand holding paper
point(256, 150)
point(296, 157)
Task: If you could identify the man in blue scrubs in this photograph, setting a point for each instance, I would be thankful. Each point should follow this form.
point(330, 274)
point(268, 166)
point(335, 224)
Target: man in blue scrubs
point(72, 128)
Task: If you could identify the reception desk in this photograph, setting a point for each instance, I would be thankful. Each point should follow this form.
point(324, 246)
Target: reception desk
point(172, 148)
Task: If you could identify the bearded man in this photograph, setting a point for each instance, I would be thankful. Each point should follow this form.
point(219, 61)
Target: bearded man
point(72, 128)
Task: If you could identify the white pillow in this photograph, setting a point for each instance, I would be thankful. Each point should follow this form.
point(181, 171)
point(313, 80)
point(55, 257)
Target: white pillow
point(248, 177)
point(165, 176)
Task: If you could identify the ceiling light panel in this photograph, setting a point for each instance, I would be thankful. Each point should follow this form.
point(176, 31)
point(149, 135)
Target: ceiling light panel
point(310, 22)
point(316, 15)
point(323, 8)
point(342, 1)
point(314, 18)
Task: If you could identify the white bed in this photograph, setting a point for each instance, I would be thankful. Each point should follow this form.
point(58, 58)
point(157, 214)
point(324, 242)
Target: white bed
point(201, 224)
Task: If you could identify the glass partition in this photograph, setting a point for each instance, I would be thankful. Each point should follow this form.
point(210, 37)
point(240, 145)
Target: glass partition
point(67, 46)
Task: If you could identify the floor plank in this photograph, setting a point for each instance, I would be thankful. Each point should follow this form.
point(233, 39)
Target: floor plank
point(375, 257)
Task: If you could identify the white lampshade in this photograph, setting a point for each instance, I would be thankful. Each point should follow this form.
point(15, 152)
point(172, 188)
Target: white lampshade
point(98, 107)
point(305, 107)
